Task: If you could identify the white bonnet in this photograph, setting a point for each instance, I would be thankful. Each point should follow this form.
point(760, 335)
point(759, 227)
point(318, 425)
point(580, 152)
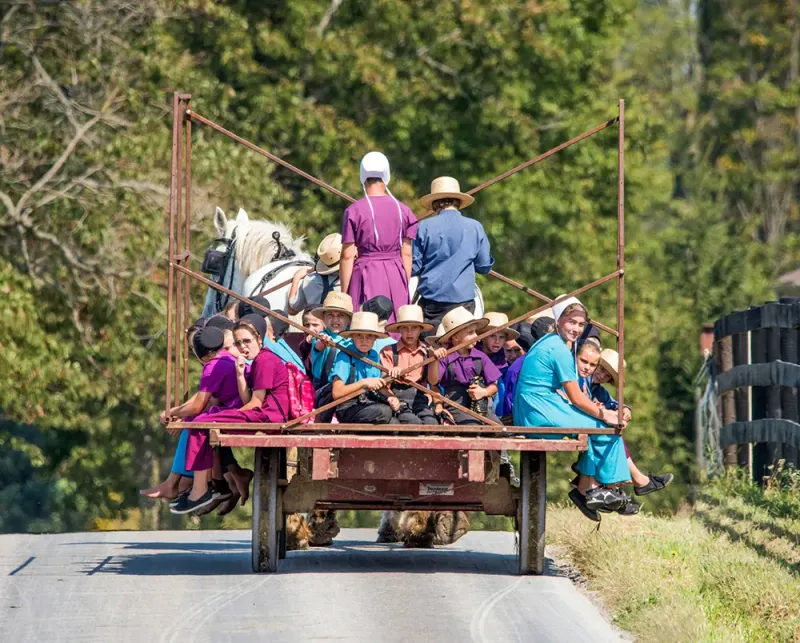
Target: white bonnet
point(375, 165)
point(560, 306)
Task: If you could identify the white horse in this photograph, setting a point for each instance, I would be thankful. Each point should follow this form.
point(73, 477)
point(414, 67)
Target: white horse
point(258, 255)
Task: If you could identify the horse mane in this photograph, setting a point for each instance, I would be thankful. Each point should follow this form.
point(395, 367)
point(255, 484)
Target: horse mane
point(255, 246)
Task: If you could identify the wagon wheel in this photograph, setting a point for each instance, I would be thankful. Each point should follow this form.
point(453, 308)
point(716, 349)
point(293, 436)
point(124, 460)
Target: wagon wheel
point(531, 512)
point(267, 511)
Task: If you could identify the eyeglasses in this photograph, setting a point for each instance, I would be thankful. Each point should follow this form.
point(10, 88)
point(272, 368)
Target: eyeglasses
point(239, 343)
point(517, 350)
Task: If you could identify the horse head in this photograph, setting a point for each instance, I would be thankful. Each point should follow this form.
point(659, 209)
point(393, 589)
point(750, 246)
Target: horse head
point(220, 260)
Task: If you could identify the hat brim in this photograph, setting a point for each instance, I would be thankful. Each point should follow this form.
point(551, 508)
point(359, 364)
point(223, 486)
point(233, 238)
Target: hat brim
point(612, 372)
point(480, 324)
point(428, 199)
point(363, 331)
point(324, 269)
point(512, 334)
point(392, 328)
point(319, 312)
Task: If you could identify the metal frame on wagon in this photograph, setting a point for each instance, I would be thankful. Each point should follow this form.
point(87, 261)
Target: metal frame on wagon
point(177, 368)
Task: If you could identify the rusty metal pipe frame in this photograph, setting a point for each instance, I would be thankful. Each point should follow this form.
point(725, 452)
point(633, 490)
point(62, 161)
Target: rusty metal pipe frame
point(177, 123)
point(187, 243)
point(189, 114)
point(621, 256)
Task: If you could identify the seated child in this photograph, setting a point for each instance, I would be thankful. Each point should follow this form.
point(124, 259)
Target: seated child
point(595, 368)
point(265, 397)
point(494, 348)
point(382, 307)
point(467, 376)
point(350, 375)
point(335, 314)
point(415, 406)
point(218, 382)
point(538, 329)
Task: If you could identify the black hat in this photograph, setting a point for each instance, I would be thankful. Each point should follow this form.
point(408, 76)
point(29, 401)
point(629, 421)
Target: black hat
point(258, 322)
point(245, 309)
point(380, 305)
point(221, 322)
point(541, 327)
point(197, 325)
point(279, 327)
point(525, 339)
point(208, 340)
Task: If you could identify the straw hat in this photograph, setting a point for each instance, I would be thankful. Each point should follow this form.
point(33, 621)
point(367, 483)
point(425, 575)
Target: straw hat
point(375, 165)
point(446, 187)
point(609, 360)
point(498, 319)
point(560, 306)
point(329, 253)
point(433, 340)
point(459, 319)
point(335, 302)
point(409, 315)
point(547, 312)
point(364, 323)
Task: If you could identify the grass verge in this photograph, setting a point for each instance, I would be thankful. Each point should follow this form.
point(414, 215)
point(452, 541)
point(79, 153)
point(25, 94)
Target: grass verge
point(729, 570)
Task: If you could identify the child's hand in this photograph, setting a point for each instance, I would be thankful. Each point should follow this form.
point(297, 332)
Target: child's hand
point(394, 402)
point(611, 417)
point(477, 392)
point(241, 363)
point(175, 430)
point(626, 415)
point(164, 418)
point(319, 344)
point(373, 383)
point(395, 372)
point(440, 353)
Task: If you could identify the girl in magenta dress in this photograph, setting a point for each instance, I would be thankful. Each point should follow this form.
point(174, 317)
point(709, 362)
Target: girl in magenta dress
point(377, 236)
point(265, 397)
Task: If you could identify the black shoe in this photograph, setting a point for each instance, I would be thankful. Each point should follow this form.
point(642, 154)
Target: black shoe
point(574, 467)
point(605, 498)
point(579, 500)
point(656, 483)
point(218, 491)
point(630, 509)
point(186, 506)
point(573, 484)
point(180, 496)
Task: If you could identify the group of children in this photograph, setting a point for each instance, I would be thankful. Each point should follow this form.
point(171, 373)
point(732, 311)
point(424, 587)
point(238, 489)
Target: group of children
point(385, 361)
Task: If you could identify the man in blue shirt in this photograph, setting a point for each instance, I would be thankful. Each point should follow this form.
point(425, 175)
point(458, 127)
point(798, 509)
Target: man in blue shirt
point(448, 251)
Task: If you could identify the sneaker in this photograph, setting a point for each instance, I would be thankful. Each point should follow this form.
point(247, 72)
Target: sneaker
point(579, 500)
point(630, 509)
point(186, 506)
point(180, 496)
point(221, 492)
point(605, 498)
point(656, 483)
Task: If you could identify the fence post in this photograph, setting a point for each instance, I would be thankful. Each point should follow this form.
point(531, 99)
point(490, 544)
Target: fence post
point(728, 403)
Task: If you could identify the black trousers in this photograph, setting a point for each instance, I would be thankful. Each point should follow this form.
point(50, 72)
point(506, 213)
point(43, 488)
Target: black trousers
point(366, 413)
point(323, 396)
point(434, 311)
point(459, 394)
point(416, 409)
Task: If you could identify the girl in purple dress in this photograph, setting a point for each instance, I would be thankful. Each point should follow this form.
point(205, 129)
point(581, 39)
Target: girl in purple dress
point(377, 233)
point(265, 398)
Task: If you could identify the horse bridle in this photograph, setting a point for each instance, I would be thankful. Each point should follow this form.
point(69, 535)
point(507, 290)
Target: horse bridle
point(215, 263)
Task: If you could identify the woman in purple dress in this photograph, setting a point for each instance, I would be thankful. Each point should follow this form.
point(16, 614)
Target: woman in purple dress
point(377, 234)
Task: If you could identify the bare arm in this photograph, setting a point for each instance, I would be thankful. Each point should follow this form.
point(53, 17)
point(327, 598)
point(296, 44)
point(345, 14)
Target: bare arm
point(340, 389)
point(241, 382)
point(407, 255)
point(346, 265)
point(297, 278)
point(433, 367)
point(256, 400)
point(580, 401)
point(191, 407)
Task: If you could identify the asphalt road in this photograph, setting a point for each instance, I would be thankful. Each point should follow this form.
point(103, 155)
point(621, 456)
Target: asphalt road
point(197, 586)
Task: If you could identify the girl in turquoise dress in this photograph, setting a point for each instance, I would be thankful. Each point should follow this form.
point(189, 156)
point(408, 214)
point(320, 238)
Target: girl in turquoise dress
point(549, 368)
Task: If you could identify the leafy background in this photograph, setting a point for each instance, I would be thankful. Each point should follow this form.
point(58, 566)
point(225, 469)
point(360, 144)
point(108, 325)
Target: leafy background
point(467, 88)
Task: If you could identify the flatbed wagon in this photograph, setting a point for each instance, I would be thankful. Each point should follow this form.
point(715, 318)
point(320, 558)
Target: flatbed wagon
point(354, 468)
point(393, 467)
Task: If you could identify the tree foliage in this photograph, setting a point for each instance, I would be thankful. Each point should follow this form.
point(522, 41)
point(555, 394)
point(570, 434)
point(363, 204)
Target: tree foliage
point(467, 89)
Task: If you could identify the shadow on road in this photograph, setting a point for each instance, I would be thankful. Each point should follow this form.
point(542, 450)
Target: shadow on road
point(343, 557)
